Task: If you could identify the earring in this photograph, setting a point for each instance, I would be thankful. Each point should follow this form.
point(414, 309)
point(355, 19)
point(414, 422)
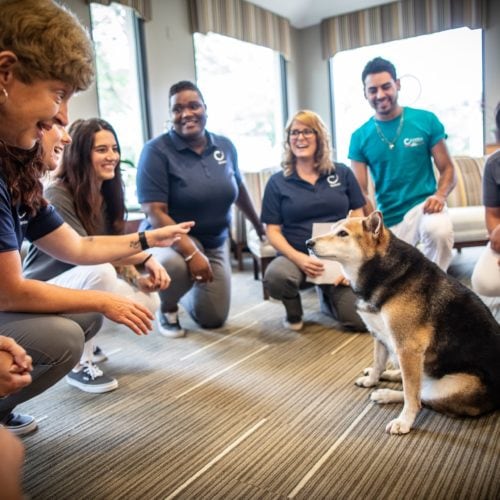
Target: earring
point(3, 99)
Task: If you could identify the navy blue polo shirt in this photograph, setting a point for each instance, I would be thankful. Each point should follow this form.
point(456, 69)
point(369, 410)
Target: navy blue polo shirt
point(15, 224)
point(491, 181)
point(200, 187)
point(295, 204)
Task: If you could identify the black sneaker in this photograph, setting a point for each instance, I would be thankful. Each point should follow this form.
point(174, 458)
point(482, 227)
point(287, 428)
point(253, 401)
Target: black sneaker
point(170, 328)
point(90, 378)
point(19, 424)
point(98, 355)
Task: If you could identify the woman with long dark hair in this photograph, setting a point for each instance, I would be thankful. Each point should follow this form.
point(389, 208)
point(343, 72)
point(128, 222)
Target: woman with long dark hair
point(87, 191)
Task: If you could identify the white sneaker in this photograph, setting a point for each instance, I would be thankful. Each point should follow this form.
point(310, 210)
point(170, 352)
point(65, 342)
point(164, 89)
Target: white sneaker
point(168, 325)
point(90, 378)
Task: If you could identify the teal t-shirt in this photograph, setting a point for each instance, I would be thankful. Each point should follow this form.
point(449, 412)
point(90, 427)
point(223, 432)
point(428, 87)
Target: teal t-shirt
point(403, 175)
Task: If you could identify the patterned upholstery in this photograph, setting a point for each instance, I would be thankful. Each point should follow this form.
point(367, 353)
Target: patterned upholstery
point(468, 191)
point(465, 203)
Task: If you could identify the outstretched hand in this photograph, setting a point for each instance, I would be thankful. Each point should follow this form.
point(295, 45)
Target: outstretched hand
point(167, 235)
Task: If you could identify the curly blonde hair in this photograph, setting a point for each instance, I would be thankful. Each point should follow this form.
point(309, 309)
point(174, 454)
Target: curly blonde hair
point(49, 42)
point(323, 154)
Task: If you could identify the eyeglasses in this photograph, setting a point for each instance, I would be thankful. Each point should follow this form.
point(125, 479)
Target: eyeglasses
point(307, 132)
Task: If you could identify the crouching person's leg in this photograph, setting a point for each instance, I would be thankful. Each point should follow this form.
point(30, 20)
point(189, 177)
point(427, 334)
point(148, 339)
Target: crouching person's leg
point(283, 280)
point(55, 343)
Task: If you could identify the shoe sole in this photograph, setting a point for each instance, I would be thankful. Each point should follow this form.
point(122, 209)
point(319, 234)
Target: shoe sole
point(94, 389)
point(23, 430)
point(296, 327)
point(171, 335)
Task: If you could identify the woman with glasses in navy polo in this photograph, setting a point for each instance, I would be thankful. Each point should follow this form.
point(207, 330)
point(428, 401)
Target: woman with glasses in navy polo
point(310, 189)
point(189, 173)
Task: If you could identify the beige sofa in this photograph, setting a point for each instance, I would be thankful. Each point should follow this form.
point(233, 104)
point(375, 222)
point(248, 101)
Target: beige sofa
point(464, 204)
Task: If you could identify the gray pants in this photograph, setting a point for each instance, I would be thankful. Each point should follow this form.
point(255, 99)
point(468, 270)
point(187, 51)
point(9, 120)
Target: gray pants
point(55, 342)
point(283, 279)
point(207, 303)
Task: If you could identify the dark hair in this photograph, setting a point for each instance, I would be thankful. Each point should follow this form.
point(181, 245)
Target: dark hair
point(184, 85)
point(378, 65)
point(78, 176)
point(22, 170)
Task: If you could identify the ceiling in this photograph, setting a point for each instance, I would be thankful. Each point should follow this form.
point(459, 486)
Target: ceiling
point(304, 13)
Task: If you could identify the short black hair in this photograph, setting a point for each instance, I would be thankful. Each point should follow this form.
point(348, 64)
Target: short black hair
point(378, 65)
point(184, 85)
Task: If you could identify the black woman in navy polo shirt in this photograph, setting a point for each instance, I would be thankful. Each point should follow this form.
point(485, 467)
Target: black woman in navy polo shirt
point(310, 189)
point(191, 174)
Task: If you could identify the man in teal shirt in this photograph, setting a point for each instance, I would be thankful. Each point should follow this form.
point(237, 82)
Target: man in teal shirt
point(398, 144)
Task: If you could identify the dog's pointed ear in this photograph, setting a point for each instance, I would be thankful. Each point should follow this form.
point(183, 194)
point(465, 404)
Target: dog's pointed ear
point(374, 223)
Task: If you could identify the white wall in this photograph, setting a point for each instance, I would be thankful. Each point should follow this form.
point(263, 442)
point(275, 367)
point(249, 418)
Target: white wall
point(312, 74)
point(85, 104)
point(170, 55)
point(491, 67)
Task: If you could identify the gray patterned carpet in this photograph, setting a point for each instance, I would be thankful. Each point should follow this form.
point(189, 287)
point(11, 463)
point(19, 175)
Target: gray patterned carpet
point(250, 411)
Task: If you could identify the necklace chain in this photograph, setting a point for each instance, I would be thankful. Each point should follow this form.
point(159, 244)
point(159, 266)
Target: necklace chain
point(384, 139)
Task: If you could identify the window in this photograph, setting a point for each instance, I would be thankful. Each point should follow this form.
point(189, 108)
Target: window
point(441, 72)
point(119, 85)
point(241, 84)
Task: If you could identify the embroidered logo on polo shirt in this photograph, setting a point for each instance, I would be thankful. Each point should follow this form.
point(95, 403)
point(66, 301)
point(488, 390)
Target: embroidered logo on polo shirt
point(413, 142)
point(23, 219)
point(219, 157)
point(333, 180)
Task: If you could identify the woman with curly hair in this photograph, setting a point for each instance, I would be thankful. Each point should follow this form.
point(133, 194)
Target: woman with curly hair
point(46, 56)
point(310, 189)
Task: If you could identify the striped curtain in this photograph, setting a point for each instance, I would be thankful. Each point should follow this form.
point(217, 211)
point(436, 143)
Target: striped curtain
point(241, 20)
point(397, 20)
point(142, 7)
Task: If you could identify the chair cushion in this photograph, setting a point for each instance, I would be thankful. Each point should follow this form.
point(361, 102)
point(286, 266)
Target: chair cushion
point(468, 223)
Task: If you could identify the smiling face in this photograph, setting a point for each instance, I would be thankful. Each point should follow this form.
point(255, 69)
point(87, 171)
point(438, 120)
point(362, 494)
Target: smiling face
point(303, 140)
point(105, 156)
point(53, 142)
point(189, 114)
point(30, 110)
point(381, 91)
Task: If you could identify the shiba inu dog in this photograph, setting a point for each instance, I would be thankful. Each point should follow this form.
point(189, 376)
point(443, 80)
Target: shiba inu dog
point(442, 337)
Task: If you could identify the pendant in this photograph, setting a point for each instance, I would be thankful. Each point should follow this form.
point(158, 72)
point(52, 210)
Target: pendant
point(391, 146)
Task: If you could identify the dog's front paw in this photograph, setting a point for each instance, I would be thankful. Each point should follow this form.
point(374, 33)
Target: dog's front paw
point(386, 396)
point(368, 381)
point(391, 375)
point(398, 426)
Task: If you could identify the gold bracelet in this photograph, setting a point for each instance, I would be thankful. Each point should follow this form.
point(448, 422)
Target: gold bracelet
point(189, 257)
